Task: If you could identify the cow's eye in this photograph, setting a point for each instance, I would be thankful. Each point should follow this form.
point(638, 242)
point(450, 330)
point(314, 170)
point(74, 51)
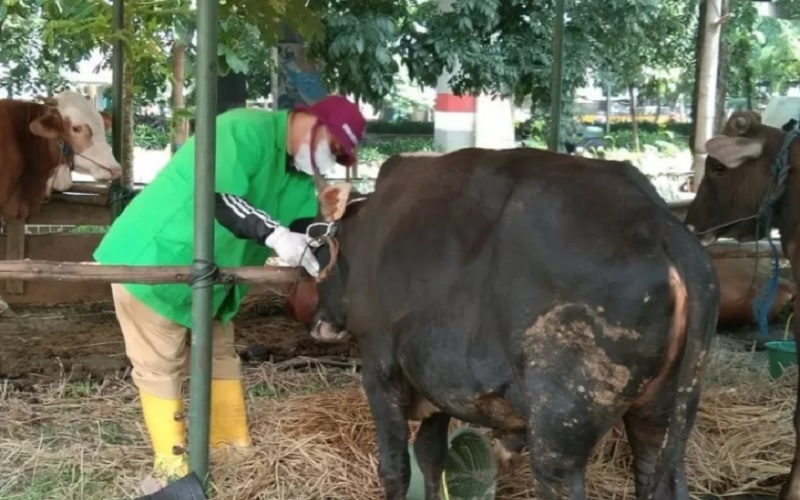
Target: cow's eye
point(718, 168)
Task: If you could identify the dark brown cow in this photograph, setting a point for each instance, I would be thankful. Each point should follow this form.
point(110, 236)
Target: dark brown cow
point(542, 295)
point(37, 139)
point(734, 200)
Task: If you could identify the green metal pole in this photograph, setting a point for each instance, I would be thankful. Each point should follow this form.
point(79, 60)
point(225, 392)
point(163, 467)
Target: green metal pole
point(117, 20)
point(558, 76)
point(203, 265)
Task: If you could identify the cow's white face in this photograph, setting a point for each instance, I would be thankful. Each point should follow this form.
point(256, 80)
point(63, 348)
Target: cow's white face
point(85, 133)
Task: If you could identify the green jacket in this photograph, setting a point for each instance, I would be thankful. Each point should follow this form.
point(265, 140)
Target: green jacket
point(156, 228)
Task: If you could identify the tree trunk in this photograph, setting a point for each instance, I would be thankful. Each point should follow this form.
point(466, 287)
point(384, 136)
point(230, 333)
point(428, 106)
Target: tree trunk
point(749, 88)
point(127, 124)
point(698, 51)
point(722, 89)
point(634, 124)
point(658, 101)
point(706, 102)
point(608, 109)
point(180, 127)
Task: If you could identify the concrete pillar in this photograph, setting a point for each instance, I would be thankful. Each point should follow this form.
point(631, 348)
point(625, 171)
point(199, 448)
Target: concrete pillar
point(454, 116)
point(494, 123)
point(467, 121)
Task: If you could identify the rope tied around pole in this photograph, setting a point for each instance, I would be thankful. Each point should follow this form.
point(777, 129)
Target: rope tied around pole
point(765, 297)
point(204, 270)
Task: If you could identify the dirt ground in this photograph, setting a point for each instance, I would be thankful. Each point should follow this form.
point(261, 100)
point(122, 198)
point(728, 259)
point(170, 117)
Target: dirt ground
point(43, 345)
point(48, 344)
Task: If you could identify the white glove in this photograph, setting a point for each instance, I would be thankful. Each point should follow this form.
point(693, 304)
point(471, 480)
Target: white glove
point(296, 249)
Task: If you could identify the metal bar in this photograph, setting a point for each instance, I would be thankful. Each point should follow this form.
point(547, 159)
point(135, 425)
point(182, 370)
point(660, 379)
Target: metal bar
point(558, 76)
point(202, 286)
point(117, 63)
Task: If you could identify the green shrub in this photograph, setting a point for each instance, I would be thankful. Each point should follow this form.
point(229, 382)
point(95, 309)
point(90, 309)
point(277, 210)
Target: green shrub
point(150, 137)
point(379, 151)
point(400, 127)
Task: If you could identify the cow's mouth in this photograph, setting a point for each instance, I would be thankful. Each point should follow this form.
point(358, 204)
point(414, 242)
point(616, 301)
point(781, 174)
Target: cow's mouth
point(706, 237)
point(323, 331)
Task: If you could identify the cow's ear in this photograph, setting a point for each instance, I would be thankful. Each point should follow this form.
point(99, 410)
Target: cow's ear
point(333, 201)
point(106, 120)
point(49, 126)
point(734, 151)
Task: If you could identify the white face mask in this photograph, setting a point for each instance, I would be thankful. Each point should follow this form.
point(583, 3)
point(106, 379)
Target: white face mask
point(323, 155)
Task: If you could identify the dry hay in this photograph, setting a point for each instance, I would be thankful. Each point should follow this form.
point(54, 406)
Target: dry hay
point(315, 440)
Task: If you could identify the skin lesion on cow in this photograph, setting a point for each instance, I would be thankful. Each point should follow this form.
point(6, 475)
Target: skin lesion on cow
point(577, 328)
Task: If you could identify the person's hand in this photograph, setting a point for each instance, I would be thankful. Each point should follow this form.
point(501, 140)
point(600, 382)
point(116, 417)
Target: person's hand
point(296, 249)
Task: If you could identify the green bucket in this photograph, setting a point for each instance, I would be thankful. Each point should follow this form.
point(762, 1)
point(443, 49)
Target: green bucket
point(781, 354)
point(470, 471)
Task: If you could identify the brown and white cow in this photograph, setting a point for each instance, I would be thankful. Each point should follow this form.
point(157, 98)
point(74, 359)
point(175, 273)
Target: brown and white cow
point(738, 179)
point(39, 143)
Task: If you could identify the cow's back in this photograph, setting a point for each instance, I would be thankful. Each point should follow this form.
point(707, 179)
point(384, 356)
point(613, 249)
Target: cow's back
point(504, 223)
point(26, 160)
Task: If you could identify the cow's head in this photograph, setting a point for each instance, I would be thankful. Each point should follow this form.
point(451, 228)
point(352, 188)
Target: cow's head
point(737, 179)
point(335, 226)
point(83, 130)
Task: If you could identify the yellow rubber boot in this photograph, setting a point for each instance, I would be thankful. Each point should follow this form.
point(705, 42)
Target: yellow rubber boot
point(228, 424)
point(166, 432)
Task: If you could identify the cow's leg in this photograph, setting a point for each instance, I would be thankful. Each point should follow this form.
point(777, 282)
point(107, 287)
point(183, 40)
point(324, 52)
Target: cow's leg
point(563, 428)
point(791, 489)
point(388, 401)
point(646, 428)
point(430, 447)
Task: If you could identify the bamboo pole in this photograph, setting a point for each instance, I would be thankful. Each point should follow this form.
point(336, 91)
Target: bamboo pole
point(42, 270)
point(202, 291)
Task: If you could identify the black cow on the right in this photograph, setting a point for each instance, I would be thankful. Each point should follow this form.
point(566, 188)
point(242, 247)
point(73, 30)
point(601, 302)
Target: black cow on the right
point(750, 186)
point(542, 295)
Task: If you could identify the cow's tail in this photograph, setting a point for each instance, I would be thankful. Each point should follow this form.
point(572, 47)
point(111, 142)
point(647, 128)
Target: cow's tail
point(694, 286)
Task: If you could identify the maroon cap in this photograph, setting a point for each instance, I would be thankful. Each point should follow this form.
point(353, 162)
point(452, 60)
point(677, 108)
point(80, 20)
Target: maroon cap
point(343, 120)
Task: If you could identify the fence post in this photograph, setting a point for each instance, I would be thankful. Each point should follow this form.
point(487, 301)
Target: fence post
point(203, 267)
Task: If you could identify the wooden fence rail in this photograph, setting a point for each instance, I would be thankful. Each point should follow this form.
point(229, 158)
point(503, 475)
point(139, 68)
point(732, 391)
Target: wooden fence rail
point(41, 270)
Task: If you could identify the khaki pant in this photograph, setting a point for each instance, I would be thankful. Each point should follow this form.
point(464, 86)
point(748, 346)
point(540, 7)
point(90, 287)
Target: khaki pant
point(157, 347)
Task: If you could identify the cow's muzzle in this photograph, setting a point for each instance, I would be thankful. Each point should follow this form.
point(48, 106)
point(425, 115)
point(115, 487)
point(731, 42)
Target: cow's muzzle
point(706, 238)
point(323, 331)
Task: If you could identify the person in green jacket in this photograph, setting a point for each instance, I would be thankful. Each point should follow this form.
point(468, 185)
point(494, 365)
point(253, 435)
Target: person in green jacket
point(264, 181)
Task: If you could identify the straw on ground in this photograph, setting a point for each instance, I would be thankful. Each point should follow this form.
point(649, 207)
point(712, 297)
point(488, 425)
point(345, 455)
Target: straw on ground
point(314, 439)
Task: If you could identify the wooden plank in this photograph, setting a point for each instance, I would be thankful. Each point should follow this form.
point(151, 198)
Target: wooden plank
point(72, 272)
point(80, 199)
point(67, 247)
point(89, 187)
point(58, 213)
point(15, 249)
